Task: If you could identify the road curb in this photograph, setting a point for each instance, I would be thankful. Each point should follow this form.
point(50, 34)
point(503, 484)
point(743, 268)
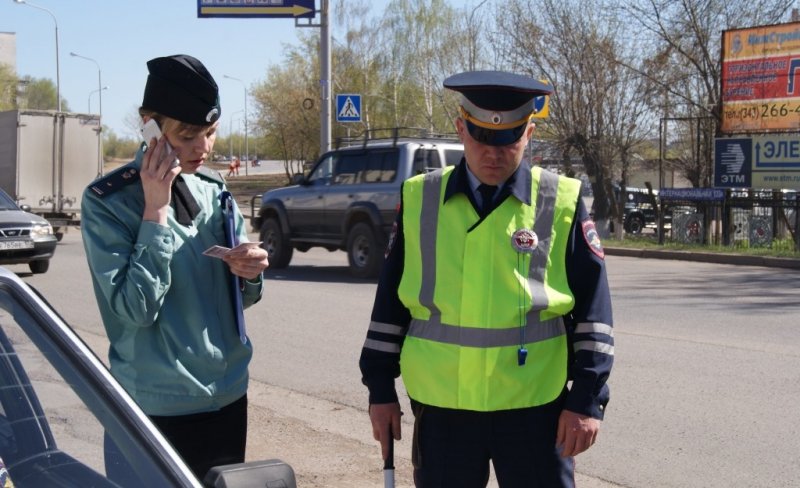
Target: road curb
point(706, 257)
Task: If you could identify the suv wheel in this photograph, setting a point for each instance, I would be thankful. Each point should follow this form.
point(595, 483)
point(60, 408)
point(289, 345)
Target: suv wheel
point(275, 242)
point(39, 267)
point(363, 254)
point(635, 224)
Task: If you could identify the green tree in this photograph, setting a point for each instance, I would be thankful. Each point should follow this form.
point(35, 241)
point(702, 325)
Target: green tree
point(116, 148)
point(8, 88)
point(287, 107)
point(40, 94)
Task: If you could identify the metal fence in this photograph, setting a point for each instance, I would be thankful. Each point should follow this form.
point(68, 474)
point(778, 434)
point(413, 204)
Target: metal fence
point(738, 219)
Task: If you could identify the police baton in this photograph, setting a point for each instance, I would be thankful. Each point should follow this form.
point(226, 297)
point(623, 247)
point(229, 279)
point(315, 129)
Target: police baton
point(388, 464)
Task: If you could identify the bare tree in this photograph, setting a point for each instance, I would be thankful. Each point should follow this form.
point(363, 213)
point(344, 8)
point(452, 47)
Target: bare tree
point(418, 42)
point(687, 34)
point(598, 109)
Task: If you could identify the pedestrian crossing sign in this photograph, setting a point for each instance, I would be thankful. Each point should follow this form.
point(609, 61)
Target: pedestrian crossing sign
point(348, 108)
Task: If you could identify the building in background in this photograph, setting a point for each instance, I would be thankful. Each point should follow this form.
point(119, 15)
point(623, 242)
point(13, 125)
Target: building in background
point(8, 63)
point(8, 50)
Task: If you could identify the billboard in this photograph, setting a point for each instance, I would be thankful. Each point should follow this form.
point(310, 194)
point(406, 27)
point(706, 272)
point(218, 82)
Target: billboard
point(758, 161)
point(761, 79)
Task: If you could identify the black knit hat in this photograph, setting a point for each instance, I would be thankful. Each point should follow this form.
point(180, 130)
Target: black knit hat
point(180, 87)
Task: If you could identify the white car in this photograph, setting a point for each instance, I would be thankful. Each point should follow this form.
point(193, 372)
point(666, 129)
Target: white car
point(25, 238)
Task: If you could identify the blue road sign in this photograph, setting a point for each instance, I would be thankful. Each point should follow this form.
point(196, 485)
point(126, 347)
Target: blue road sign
point(348, 108)
point(256, 8)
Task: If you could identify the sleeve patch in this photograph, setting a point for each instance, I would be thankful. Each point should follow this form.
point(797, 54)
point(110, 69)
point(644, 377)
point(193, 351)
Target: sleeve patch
point(593, 239)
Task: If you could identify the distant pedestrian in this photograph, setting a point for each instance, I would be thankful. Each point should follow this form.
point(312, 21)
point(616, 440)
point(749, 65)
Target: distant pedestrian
point(233, 167)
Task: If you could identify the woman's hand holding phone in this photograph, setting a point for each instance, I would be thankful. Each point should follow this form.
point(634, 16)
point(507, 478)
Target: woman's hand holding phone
point(151, 131)
point(160, 166)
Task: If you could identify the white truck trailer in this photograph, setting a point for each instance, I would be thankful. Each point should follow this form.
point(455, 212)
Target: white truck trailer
point(47, 158)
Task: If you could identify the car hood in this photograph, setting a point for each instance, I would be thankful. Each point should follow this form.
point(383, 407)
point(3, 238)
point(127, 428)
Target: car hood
point(20, 217)
point(284, 192)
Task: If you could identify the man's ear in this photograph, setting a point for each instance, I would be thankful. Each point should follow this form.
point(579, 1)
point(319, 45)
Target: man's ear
point(460, 128)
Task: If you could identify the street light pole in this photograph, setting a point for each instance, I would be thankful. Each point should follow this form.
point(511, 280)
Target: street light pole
point(325, 80)
point(324, 73)
point(100, 86)
point(246, 147)
point(99, 90)
point(230, 136)
point(58, 71)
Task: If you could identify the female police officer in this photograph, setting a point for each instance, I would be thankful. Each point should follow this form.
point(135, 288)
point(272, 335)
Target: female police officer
point(493, 295)
point(170, 311)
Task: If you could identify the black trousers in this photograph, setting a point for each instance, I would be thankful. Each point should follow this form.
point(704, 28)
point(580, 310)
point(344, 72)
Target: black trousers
point(203, 440)
point(453, 448)
point(208, 439)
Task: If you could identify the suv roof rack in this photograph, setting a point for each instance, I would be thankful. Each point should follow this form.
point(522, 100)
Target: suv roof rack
point(393, 134)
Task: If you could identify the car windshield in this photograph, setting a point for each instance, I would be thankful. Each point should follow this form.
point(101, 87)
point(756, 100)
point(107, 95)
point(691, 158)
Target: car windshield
point(58, 403)
point(6, 203)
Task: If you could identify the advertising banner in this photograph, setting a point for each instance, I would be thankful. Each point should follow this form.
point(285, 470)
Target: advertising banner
point(760, 161)
point(760, 84)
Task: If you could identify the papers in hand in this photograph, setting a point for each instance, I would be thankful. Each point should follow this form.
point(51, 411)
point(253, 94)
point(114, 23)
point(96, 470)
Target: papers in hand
point(219, 251)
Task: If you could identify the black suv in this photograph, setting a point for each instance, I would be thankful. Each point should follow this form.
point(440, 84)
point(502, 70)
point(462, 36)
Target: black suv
point(349, 199)
point(640, 210)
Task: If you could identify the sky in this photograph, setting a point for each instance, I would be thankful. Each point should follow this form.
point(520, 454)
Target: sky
point(122, 35)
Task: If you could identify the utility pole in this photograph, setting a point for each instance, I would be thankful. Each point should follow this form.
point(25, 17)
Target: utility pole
point(325, 73)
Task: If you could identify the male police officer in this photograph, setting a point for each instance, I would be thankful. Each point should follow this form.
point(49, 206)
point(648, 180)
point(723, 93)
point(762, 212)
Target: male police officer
point(492, 297)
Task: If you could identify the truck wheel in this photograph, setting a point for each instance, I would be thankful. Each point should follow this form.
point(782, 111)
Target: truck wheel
point(363, 253)
point(39, 267)
point(277, 245)
point(635, 224)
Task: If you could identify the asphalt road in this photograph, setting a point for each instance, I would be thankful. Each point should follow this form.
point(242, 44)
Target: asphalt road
point(704, 391)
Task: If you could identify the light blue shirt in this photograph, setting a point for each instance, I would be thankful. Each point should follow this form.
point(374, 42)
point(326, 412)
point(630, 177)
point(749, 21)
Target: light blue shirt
point(166, 307)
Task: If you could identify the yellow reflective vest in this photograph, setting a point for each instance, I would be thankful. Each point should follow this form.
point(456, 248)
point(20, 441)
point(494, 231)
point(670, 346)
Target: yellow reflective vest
point(476, 297)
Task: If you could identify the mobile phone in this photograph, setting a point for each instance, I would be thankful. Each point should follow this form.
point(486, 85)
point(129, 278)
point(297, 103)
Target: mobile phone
point(151, 130)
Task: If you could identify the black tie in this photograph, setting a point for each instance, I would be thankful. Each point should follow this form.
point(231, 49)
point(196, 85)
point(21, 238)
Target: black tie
point(487, 196)
point(186, 208)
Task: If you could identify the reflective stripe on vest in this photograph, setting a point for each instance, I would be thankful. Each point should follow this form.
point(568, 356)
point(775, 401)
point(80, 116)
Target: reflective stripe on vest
point(440, 359)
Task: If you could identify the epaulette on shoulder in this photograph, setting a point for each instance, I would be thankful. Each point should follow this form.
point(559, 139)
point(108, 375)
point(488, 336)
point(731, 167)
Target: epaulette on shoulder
point(210, 174)
point(116, 180)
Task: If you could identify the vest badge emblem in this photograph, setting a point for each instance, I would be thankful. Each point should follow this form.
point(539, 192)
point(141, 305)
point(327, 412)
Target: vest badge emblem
point(524, 240)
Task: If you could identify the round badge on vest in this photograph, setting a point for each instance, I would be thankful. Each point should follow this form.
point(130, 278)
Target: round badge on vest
point(524, 240)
